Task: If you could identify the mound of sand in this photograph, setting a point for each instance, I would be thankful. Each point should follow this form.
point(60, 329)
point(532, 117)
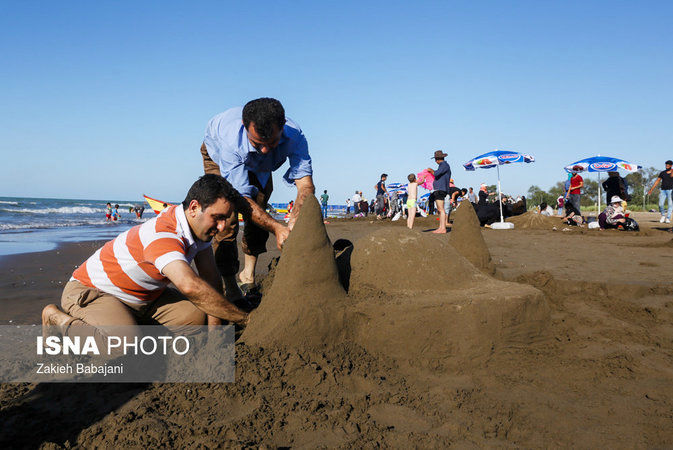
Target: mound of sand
point(395, 260)
point(467, 239)
point(533, 221)
point(305, 304)
point(423, 303)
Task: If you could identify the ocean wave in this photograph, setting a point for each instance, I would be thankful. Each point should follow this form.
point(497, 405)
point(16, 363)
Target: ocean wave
point(61, 210)
point(43, 226)
point(4, 202)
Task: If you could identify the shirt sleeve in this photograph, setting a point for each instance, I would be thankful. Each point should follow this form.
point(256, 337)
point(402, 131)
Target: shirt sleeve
point(234, 171)
point(300, 160)
point(441, 170)
point(165, 250)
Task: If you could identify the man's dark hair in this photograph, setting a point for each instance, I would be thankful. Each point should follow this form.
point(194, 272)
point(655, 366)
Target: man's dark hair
point(384, 175)
point(543, 206)
point(464, 191)
point(267, 114)
point(669, 162)
point(325, 191)
point(207, 189)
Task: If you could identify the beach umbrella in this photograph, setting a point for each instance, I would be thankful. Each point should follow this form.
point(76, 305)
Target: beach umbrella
point(497, 158)
point(601, 164)
point(400, 188)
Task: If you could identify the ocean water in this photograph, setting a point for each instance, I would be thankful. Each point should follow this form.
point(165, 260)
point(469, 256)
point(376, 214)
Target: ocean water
point(39, 224)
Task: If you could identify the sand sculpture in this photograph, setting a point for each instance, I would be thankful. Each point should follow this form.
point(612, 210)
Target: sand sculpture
point(533, 221)
point(305, 304)
point(413, 297)
point(467, 239)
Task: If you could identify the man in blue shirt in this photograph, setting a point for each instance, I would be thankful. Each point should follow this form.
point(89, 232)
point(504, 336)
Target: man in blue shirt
point(245, 145)
point(441, 187)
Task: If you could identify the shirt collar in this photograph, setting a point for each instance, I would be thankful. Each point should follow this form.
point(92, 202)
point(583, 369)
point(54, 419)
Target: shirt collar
point(184, 225)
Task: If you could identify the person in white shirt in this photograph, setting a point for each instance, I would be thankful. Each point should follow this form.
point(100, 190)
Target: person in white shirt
point(356, 202)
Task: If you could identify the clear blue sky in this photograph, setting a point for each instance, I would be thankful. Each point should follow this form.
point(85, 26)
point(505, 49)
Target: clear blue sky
point(110, 99)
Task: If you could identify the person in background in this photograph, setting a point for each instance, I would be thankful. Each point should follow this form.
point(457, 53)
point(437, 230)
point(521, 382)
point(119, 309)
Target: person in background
point(139, 210)
point(615, 186)
point(115, 214)
point(666, 180)
point(613, 215)
point(572, 215)
point(546, 210)
point(472, 196)
point(575, 188)
point(441, 187)
point(412, 190)
point(324, 198)
point(559, 205)
point(356, 202)
point(348, 206)
point(381, 192)
point(108, 212)
point(483, 195)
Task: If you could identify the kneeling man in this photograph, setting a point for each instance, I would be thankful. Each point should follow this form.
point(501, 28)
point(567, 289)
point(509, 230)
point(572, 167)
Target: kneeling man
point(126, 281)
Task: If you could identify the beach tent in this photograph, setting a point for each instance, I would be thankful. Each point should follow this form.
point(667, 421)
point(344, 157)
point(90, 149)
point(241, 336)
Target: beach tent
point(496, 158)
point(601, 164)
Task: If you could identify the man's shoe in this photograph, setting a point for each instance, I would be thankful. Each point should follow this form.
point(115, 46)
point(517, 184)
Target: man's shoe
point(668, 220)
point(663, 219)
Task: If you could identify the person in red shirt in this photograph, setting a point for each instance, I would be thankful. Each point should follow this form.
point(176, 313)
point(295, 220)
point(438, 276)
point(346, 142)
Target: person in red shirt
point(575, 189)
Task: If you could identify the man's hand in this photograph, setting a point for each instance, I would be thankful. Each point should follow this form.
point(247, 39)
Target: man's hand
point(281, 235)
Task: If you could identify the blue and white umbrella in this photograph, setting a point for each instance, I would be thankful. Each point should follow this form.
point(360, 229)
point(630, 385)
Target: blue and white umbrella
point(497, 158)
point(400, 188)
point(601, 164)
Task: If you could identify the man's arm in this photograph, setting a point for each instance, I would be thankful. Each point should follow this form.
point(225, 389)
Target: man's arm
point(207, 268)
point(251, 210)
point(656, 183)
point(202, 294)
point(305, 187)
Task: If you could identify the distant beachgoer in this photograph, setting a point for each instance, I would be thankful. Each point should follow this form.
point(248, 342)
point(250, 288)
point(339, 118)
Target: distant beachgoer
point(616, 186)
point(546, 210)
point(348, 206)
point(572, 215)
point(101, 294)
point(472, 196)
point(412, 189)
point(666, 180)
point(356, 203)
point(115, 214)
point(139, 210)
point(559, 205)
point(575, 188)
point(108, 212)
point(483, 195)
point(381, 192)
point(290, 205)
point(613, 215)
point(441, 187)
point(324, 198)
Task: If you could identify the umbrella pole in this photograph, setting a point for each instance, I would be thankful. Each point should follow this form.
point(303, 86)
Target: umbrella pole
point(502, 219)
point(599, 195)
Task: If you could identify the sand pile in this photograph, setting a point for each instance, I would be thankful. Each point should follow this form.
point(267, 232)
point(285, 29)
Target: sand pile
point(533, 221)
point(467, 239)
point(305, 303)
point(423, 303)
point(399, 260)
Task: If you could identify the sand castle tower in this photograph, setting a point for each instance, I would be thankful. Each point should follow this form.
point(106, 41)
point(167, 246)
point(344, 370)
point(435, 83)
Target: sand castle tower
point(466, 238)
point(305, 305)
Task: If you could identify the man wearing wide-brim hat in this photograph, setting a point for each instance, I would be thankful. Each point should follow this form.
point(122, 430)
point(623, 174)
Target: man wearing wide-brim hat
point(441, 187)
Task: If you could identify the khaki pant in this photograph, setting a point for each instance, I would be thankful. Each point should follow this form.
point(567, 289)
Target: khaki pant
point(254, 238)
point(92, 309)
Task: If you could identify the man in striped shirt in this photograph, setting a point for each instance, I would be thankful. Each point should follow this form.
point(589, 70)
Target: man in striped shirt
point(126, 281)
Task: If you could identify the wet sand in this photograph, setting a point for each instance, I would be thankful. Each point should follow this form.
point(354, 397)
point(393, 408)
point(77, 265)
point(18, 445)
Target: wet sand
point(600, 374)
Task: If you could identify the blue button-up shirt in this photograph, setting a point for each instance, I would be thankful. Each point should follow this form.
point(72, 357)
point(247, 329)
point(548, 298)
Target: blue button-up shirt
point(442, 177)
point(228, 145)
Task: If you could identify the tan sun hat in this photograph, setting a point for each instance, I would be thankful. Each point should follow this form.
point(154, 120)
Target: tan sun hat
point(616, 199)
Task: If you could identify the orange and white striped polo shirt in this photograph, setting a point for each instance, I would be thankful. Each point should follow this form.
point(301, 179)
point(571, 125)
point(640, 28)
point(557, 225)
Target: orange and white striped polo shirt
point(129, 266)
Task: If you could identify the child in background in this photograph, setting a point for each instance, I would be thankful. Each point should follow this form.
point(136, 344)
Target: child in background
point(108, 212)
point(412, 190)
point(115, 213)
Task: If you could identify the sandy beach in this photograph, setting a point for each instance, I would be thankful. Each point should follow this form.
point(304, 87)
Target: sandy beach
point(562, 338)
